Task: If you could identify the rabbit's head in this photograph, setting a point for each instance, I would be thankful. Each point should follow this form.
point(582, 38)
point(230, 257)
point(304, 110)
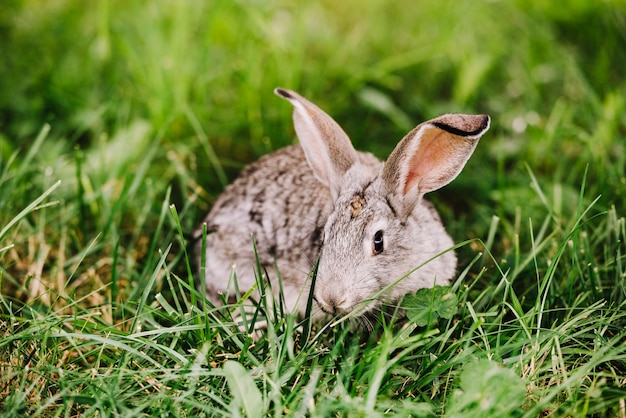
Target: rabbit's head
point(381, 240)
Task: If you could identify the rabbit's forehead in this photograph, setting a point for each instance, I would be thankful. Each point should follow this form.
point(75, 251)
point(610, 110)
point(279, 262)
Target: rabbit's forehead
point(360, 198)
point(365, 206)
point(356, 205)
point(356, 210)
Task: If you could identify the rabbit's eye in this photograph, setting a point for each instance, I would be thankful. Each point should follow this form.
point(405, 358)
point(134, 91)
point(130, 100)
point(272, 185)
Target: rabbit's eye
point(378, 245)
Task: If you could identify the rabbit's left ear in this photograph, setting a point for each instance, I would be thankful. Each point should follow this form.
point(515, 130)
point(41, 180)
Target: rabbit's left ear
point(432, 155)
point(327, 148)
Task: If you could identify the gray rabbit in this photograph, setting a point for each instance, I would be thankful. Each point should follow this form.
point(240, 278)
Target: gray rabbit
point(365, 220)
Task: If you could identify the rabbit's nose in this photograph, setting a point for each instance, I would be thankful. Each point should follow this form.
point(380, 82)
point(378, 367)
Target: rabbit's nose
point(333, 303)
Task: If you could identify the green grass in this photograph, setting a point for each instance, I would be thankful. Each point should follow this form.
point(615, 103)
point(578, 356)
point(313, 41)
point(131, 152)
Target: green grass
point(120, 122)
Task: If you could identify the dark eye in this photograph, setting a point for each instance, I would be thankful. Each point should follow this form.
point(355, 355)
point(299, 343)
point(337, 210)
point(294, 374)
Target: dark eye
point(378, 245)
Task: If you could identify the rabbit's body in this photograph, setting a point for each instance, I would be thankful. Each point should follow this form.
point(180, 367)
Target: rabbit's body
point(366, 221)
point(278, 201)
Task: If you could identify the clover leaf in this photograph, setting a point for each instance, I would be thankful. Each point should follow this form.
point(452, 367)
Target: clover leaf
point(427, 305)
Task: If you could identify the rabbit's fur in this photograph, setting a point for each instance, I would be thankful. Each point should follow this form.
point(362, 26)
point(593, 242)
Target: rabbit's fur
point(365, 220)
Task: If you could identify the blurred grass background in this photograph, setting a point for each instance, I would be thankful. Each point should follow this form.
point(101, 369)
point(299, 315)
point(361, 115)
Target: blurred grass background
point(134, 105)
point(551, 75)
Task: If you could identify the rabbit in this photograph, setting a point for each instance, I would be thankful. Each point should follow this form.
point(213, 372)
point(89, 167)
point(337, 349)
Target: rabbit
point(364, 222)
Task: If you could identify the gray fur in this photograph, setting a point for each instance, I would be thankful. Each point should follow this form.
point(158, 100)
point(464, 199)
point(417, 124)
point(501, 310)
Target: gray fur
point(324, 199)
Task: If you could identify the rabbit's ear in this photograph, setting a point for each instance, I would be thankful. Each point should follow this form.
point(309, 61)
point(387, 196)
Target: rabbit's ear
point(432, 155)
point(327, 148)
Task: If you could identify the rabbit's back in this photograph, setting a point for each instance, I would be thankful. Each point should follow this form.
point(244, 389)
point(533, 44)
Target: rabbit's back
point(278, 201)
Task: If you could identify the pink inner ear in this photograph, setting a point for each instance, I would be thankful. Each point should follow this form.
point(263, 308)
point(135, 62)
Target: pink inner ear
point(434, 163)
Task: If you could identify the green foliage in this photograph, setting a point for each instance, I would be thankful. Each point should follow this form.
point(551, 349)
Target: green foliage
point(120, 121)
point(244, 391)
point(426, 306)
point(488, 390)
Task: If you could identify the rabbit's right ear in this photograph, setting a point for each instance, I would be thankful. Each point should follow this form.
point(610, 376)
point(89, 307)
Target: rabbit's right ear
point(431, 156)
point(327, 148)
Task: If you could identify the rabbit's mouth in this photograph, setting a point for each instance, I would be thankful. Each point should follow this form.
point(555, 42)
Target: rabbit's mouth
point(331, 305)
point(342, 306)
